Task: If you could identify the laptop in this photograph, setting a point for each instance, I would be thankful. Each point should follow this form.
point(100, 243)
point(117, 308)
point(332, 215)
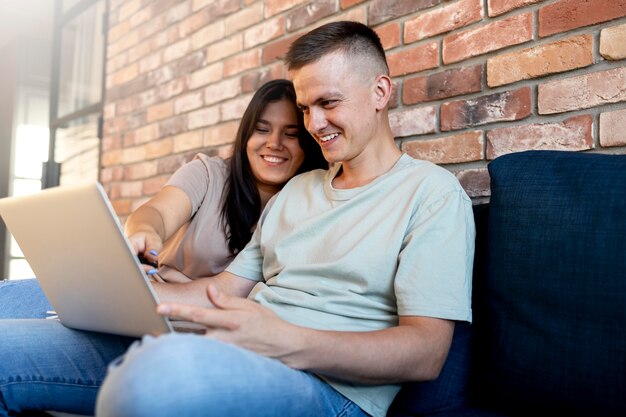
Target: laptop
point(74, 243)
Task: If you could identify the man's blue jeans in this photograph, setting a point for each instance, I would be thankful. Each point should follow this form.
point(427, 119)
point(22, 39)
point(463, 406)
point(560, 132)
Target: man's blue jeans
point(44, 365)
point(191, 375)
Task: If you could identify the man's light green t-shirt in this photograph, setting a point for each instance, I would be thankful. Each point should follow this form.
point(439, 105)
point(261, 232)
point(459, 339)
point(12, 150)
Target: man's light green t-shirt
point(356, 259)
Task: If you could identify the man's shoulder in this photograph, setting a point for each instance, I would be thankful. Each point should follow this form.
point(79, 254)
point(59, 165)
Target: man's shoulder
point(426, 171)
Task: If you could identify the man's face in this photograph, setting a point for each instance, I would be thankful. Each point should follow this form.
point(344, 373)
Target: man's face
point(338, 103)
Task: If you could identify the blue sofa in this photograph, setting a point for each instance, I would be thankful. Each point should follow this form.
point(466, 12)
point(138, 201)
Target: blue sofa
point(549, 296)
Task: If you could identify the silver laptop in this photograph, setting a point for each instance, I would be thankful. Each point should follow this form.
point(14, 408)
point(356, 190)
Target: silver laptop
point(74, 243)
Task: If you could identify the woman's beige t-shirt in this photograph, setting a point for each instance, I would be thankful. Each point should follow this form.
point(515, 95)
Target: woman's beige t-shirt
point(199, 248)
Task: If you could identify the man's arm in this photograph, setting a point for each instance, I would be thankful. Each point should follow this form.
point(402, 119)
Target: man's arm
point(414, 350)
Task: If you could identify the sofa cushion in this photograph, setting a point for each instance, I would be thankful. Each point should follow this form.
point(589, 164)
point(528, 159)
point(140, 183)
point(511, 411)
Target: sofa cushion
point(449, 392)
point(556, 284)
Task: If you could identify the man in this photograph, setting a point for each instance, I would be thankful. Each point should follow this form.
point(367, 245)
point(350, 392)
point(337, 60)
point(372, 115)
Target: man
point(351, 283)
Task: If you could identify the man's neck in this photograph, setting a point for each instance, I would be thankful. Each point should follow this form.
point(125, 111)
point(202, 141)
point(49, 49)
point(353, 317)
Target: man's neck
point(366, 167)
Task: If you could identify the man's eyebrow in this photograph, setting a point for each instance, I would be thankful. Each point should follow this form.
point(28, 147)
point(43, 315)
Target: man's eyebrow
point(329, 96)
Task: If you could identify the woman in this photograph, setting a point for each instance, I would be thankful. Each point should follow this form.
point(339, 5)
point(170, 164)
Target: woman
point(206, 213)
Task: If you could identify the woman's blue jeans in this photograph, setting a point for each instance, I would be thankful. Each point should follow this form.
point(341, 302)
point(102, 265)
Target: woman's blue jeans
point(43, 364)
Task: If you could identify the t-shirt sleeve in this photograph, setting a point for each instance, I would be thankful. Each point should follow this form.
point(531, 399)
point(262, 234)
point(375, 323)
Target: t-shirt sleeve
point(193, 178)
point(435, 263)
point(249, 262)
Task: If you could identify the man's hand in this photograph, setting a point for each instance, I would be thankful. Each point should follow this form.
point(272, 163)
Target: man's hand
point(239, 321)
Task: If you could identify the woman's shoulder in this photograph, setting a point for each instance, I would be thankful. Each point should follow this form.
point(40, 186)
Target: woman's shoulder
point(213, 164)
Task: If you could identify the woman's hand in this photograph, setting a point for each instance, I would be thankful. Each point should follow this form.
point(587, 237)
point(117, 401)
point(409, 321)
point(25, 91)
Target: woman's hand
point(146, 245)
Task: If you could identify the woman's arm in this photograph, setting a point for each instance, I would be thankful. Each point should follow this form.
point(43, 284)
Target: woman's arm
point(195, 292)
point(156, 220)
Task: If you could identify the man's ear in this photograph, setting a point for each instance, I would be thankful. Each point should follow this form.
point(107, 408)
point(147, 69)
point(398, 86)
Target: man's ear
point(382, 90)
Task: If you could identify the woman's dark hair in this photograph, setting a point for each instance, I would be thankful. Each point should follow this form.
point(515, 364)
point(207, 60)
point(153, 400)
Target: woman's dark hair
point(241, 207)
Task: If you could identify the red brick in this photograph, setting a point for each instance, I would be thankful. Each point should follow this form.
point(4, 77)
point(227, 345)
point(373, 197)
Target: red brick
point(463, 147)
point(390, 34)
point(187, 141)
point(475, 182)
point(206, 75)
point(566, 15)
point(221, 91)
point(224, 48)
point(117, 62)
point(253, 80)
point(208, 34)
point(277, 49)
point(188, 64)
point(124, 75)
point(383, 10)
point(140, 170)
point(490, 37)
point(110, 158)
point(111, 142)
point(498, 7)
point(233, 109)
point(264, 32)
point(349, 3)
point(204, 117)
point(177, 50)
point(582, 92)
point(144, 134)
point(273, 7)
point(415, 121)
point(218, 9)
point(128, 9)
point(150, 63)
point(193, 23)
point(190, 101)
point(160, 111)
point(134, 154)
point(448, 83)
point(418, 58)
point(119, 30)
point(612, 132)
point(139, 51)
point(560, 56)
point(168, 90)
point(142, 16)
point(172, 126)
point(170, 163)
point(498, 107)
point(244, 18)
point(573, 134)
point(153, 185)
point(613, 43)
point(242, 62)
point(158, 148)
point(178, 12)
point(220, 134)
point(310, 13)
point(444, 19)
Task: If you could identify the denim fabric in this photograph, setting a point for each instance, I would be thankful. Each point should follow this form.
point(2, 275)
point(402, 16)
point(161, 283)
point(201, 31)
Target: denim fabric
point(192, 375)
point(46, 366)
point(22, 299)
point(556, 290)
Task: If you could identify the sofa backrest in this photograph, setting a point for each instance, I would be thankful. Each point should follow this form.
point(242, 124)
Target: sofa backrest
point(549, 295)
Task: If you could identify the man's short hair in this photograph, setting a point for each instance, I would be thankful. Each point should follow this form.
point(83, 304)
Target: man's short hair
point(352, 38)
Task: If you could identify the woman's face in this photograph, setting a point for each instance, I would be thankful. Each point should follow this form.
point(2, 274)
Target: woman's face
point(273, 149)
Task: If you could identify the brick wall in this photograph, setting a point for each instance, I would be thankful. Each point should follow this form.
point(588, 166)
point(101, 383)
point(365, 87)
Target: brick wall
point(474, 79)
